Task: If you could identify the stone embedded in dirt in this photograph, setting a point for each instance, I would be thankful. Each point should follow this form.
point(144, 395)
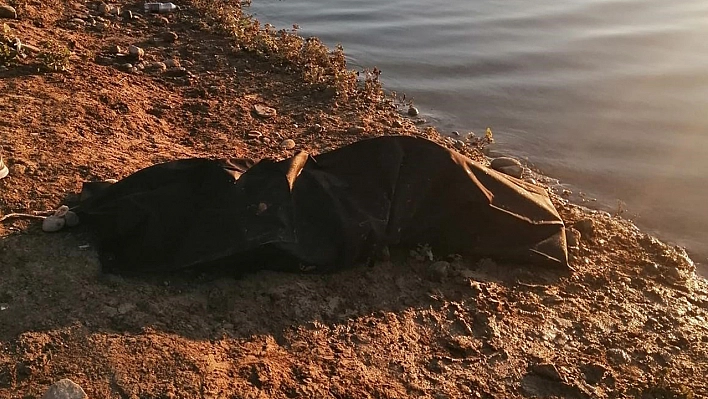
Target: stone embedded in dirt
point(413, 111)
point(65, 389)
point(78, 22)
point(177, 72)
point(104, 9)
point(586, 227)
point(593, 373)
point(136, 51)
point(115, 49)
point(618, 356)
point(439, 270)
point(264, 111)
point(7, 12)
point(356, 130)
point(158, 66)
point(546, 370)
point(172, 63)
point(4, 171)
point(508, 166)
point(127, 14)
point(254, 134)
point(170, 37)
point(53, 223)
point(287, 144)
point(572, 237)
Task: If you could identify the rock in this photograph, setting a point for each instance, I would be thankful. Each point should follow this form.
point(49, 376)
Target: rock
point(413, 111)
point(396, 123)
point(53, 223)
point(546, 370)
point(586, 227)
point(355, 130)
point(115, 49)
point(254, 134)
point(4, 171)
point(65, 389)
point(455, 133)
point(287, 144)
point(593, 373)
point(572, 237)
point(115, 10)
point(7, 12)
point(264, 111)
point(170, 37)
point(172, 63)
point(136, 51)
point(508, 166)
point(158, 66)
point(78, 21)
point(71, 219)
point(104, 9)
point(618, 356)
point(177, 72)
point(439, 270)
point(128, 67)
point(127, 14)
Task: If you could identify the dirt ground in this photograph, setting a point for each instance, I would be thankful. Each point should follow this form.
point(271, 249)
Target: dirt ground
point(630, 320)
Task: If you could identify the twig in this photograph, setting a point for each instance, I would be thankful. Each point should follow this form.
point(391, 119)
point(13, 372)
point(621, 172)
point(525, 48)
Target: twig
point(34, 215)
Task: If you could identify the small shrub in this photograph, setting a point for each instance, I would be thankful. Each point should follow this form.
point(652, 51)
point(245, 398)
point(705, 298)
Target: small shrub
point(54, 57)
point(7, 52)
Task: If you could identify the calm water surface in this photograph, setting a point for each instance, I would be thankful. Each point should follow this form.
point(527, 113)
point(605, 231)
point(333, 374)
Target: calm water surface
point(611, 97)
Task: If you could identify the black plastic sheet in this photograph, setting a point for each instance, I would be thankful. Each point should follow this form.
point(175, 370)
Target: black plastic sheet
point(324, 212)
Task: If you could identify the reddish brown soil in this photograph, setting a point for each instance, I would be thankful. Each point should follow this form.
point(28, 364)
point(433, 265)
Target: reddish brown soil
point(631, 320)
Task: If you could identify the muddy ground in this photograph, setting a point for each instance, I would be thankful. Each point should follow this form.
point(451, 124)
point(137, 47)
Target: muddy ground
point(630, 320)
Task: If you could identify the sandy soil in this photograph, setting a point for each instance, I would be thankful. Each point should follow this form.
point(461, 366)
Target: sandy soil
point(630, 320)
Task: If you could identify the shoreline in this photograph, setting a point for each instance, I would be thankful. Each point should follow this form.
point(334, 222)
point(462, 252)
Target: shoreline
point(631, 319)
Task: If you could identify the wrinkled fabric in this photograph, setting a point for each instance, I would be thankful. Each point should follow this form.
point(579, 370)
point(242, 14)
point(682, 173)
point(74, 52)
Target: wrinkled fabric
point(324, 212)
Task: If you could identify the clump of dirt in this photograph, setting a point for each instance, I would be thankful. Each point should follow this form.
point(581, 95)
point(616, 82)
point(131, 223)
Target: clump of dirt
point(630, 320)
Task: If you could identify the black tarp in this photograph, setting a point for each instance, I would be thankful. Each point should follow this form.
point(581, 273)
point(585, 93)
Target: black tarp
point(327, 211)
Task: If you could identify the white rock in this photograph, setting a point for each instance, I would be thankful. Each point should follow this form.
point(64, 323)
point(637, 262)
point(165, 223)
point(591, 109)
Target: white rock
point(65, 389)
point(53, 223)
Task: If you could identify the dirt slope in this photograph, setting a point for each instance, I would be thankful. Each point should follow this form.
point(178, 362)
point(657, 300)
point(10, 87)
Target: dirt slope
point(631, 320)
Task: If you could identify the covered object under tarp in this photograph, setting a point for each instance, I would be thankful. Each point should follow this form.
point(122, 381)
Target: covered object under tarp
point(325, 212)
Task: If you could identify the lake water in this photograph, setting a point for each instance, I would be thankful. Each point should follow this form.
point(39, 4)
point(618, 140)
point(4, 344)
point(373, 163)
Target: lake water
point(609, 96)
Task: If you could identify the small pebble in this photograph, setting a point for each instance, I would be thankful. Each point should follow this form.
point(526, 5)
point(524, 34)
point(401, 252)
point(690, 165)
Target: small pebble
point(53, 223)
point(572, 237)
point(127, 14)
point(355, 130)
point(78, 21)
point(264, 111)
point(158, 66)
point(136, 51)
point(287, 144)
point(586, 227)
point(254, 134)
point(413, 111)
point(172, 63)
point(104, 9)
point(438, 270)
point(65, 389)
point(170, 37)
point(177, 72)
point(115, 49)
point(508, 166)
point(7, 12)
